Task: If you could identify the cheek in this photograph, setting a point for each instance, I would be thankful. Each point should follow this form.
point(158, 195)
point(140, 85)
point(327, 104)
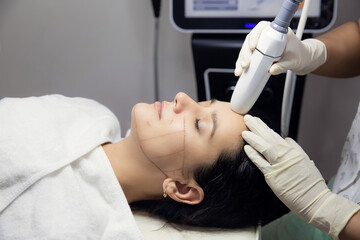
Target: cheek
point(166, 151)
point(198, 152)
point(163, 142)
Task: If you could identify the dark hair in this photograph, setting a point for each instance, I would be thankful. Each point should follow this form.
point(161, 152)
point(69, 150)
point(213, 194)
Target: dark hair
point(236, 195)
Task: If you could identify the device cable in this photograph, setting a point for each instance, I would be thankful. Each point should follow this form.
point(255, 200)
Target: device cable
point(156, 59)
point(290, 81)
point(156, 8)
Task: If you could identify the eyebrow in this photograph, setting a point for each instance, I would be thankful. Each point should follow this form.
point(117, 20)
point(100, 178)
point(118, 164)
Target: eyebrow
point(214, 119)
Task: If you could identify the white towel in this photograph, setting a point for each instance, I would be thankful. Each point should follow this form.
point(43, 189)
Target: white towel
point(55, 180)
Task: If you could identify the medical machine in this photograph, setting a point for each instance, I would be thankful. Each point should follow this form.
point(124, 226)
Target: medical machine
point(218, 31)
point(240, 16)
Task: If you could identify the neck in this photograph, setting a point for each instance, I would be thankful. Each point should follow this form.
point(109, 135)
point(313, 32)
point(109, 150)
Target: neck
point(138, 177)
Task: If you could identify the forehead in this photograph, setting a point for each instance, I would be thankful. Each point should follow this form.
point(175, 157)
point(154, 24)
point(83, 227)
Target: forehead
point(230, 125)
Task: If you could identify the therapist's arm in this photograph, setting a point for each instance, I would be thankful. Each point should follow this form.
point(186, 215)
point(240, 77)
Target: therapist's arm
point(352, 229)
point(343, 51)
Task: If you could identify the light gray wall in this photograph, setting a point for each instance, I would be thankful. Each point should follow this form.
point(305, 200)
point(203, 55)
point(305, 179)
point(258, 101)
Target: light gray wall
point(103, 50)
point(95, 49)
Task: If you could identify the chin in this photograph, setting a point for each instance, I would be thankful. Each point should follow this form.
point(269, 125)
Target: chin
point(139, 113)
point(133, 119)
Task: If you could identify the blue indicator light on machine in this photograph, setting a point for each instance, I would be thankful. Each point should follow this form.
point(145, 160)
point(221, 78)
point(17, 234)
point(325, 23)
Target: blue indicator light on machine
point(250, 25)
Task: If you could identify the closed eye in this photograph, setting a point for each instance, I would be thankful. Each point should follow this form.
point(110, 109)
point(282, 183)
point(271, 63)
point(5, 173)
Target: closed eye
point(197, 124)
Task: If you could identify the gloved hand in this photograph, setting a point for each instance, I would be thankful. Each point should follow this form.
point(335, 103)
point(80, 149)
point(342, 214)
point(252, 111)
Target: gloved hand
point(295, 180)
point(302, 57)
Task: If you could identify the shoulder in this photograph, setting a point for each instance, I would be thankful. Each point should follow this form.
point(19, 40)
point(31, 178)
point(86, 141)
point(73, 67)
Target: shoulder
point(75, 105)
point(57, 109)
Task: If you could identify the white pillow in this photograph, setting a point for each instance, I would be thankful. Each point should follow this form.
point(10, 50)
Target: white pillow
point(154, 228)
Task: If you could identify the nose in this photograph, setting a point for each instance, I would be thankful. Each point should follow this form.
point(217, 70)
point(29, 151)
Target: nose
point(182, 101)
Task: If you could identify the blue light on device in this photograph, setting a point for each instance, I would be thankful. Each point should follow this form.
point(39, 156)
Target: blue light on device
point(250, 25)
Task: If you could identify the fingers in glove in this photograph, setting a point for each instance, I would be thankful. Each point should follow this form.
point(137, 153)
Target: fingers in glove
point(281, 66)
point(244, 58)
point(257, 159)
point(254, 125)
point(290, 58)
point(291, 142)
point(295, 145)
point(238, 70)
point(254, 35)
point(260, 145)
point(257, 126)
point(249, 46)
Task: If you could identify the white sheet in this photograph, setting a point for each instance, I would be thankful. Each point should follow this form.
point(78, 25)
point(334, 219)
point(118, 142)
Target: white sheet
point(55, 179)
point(156, 229)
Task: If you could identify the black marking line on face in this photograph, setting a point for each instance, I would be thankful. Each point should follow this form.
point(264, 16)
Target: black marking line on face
point(167, 155)
point(183, 162)
point(166, 176)
point(175, 132)
point(167, 134)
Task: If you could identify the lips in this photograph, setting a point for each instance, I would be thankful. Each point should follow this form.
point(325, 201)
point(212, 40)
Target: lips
point(158, 106)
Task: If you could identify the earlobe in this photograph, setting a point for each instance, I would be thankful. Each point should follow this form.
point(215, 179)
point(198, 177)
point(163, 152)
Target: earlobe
point(190, 193)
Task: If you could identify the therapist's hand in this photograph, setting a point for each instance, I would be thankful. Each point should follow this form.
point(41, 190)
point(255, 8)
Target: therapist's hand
point(294, 178)
point(302, 57)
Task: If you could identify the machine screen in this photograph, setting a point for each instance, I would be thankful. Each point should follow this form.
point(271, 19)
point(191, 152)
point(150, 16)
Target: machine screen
point(241, 8)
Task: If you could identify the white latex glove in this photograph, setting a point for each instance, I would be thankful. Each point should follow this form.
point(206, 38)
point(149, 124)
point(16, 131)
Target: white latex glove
point(295, 180)
point(302, 57)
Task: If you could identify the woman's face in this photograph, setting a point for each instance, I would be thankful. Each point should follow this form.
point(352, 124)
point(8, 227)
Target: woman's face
point(178, 136)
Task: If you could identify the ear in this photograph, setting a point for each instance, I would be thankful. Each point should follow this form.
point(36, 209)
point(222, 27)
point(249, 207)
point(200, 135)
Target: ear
point(189, 193)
